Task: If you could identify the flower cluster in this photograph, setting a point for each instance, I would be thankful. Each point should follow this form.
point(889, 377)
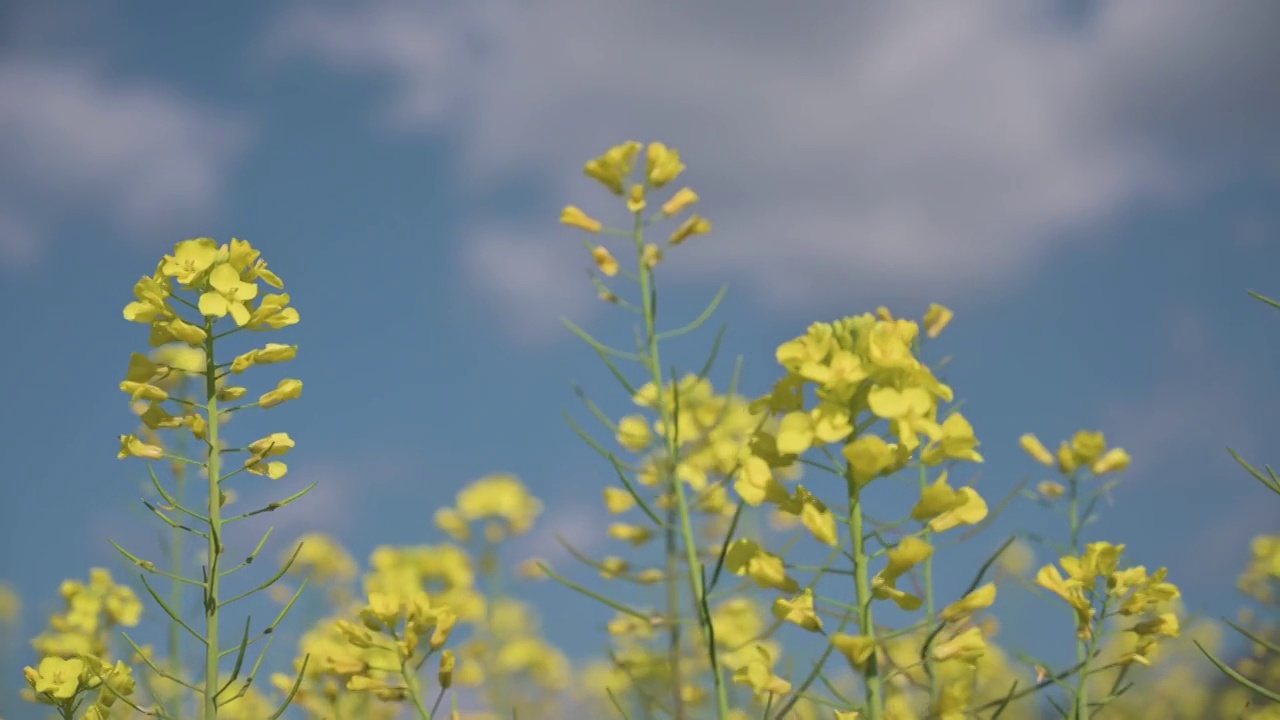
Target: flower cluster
point(76, 649)
point(223, 280)
point(1129, 592)
point(613, 170)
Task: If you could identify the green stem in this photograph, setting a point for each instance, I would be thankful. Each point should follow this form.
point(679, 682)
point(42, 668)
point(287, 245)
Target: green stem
point(862, 582)
point(930, 608)
point(671, 552)
point(212, 650)
point(648, 294)
point(1080, 706)
point(175, 567)
point(411, 682)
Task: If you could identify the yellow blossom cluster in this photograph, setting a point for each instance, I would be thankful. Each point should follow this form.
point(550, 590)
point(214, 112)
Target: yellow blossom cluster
point(224, 279)
point(613, 170)
point(75, 651)
point(501, 501)
point(1129, 592)
point(1086, 449)
point(1261, 579)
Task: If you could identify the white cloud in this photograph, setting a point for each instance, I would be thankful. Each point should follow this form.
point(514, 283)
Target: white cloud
point(952, 147)
point(80, 143)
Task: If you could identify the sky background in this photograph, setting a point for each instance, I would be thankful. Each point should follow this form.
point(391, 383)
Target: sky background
point(1092, 187)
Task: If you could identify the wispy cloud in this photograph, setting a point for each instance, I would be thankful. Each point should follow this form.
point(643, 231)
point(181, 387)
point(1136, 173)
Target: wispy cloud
point(81, 142)
point(883, 147)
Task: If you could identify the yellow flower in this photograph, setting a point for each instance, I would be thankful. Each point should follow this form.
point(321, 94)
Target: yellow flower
point(908, 553)
point(651, 256)
point(979, 599)
point(56, 677)
point(287, 389)
point(966, 647)
point(171, 329)
point(1036, 449)
point(634, 433)
point(936, 320)
point(798, 611)
point(447, 664)
point(604, 260)
point(612, 168)
point(868, 456)
point(259, 271)
point(662, 164)
point(500, 496)
point(856, 649)
point(575, 217)
point(10, 604)
point(695, 225)
point(683, 198)
point(142, 391)
point(1114, 460)
point(635, 199)
point(272, 445)
point(957, 442)
point(131, 446)
point(745, 557)
point(190, 259)
point(970, 509)
point(228, 294)
point(758, 674)
point(271, 353)
point(273, 312)
point(152, 301)
point(1087, 446)
point(453, 524)
point(633, 534)
point(618, 500)
point(1050, 490)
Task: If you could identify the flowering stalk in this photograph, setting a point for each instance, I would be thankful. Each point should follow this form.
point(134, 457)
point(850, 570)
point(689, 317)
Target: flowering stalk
point(212, 607)
point(666, 412)
point(873, 686)
point(1080, 706)
point(225, 279)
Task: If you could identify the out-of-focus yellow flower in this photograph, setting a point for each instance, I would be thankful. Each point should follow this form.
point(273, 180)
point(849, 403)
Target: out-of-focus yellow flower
point(1036, 449)
point(936, 320)
point(694, 225)
point(287, 389)
point(612, 168)
point(980, 599)
point(604, 260)
point(798, 611)
point(684, 198)
point(662, 164)
point(573, 216)
point(1050, 490)
point(131, 446)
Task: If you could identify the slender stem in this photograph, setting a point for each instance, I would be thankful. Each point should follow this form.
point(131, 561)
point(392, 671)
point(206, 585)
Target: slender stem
point(671, 551)
point(649, 296)
point(1080, 706)
point(930, 608)
point(862, 583)
point(175, 567)
point(212, 650)
point(411, 684)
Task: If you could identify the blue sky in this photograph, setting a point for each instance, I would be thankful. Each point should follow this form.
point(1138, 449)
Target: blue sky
point(1092, 189)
